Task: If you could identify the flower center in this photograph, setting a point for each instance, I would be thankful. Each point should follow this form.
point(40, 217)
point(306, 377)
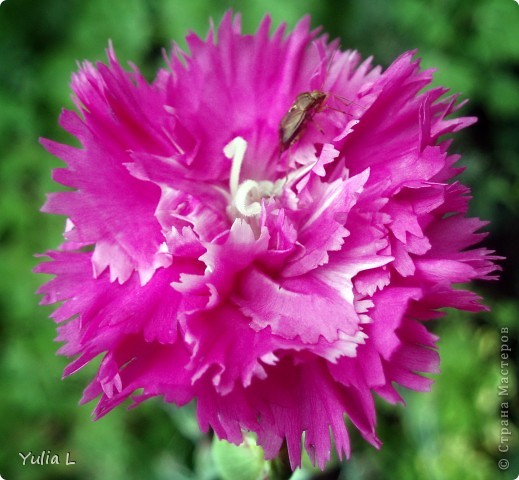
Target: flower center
point(246, 197)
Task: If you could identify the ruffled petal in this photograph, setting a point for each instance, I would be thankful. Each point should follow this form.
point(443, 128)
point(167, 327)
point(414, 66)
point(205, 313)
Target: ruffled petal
point(303, 307)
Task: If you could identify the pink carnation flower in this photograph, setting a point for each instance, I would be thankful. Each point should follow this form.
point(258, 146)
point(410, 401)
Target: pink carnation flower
point(278, 284)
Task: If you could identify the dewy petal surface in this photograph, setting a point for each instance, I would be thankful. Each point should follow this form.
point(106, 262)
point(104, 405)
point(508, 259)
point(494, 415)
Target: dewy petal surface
point(279, 286)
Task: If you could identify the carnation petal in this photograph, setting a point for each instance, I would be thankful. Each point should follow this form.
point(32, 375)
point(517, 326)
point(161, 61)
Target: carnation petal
point(302, 307)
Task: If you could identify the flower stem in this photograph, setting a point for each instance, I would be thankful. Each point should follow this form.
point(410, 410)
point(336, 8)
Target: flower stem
point(280, 468)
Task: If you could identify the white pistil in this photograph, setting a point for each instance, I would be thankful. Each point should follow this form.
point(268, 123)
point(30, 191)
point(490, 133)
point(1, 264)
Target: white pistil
point(235, 151)
point(246, 196)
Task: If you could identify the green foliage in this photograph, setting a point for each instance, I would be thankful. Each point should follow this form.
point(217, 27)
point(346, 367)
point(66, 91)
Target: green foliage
point(449, 434)
point(243, 462)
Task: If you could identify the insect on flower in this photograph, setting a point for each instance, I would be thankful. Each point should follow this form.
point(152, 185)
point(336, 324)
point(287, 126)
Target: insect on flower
point(306, 105)
point(302, 110)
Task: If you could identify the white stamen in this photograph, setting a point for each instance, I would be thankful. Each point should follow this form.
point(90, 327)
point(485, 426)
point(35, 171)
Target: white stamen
point(246, 196)
point(235, 151)
point(247, 191)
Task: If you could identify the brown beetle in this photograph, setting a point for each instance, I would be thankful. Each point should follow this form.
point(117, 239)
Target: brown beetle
point(295, 120)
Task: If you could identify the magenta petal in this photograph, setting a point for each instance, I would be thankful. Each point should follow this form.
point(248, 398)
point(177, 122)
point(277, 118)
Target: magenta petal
point(158, 371)
point(228, 358)
point(292, 394)
point(110, 101)
point(302, 307)
point(108, 312)
point(323, 228)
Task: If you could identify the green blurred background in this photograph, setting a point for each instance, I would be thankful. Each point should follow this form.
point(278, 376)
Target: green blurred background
point(450, 434)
